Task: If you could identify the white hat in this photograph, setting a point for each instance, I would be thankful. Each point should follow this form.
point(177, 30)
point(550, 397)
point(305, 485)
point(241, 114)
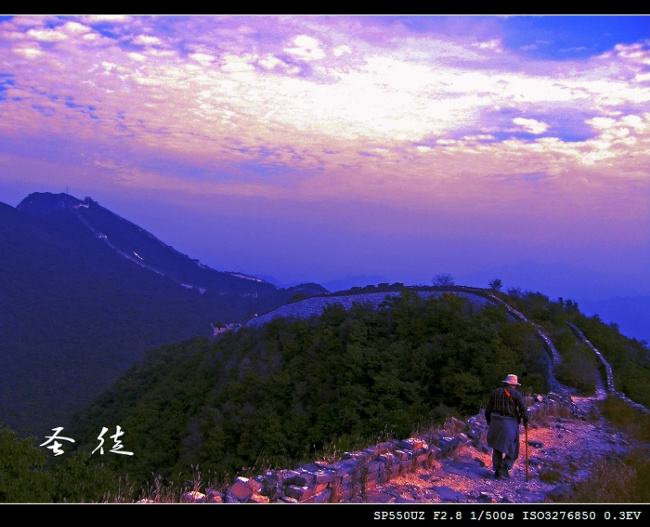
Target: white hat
point(511, 379)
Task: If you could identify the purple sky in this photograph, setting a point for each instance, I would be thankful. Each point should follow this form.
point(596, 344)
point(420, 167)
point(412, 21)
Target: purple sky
point(310, 148)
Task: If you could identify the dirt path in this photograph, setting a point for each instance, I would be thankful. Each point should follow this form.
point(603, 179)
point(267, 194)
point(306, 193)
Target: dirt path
point(561, 452)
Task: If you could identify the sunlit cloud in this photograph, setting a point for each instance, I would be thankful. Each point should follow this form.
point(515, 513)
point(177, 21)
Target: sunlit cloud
point(531, 125)
point(328, 109)
point(341, 50)
point(493, 45)
point(146, 40)
point(306, 48)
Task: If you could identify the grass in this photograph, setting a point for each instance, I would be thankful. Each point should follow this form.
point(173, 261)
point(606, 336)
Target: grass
point(634, 423)
point(552, 473)
point(548, 413)
point(625, 478)
point(160, 492)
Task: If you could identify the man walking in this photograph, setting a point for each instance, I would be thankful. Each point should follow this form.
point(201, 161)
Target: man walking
point(506, 408)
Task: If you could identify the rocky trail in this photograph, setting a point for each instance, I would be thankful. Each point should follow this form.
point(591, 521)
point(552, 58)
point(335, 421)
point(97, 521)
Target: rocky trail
point(556, 452)
point(567, 442)
point(561, 452)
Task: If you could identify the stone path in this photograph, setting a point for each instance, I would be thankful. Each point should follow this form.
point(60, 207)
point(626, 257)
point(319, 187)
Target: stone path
point(561, 452)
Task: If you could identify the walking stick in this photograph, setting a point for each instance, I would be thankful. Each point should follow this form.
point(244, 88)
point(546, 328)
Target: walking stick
point(526, 428)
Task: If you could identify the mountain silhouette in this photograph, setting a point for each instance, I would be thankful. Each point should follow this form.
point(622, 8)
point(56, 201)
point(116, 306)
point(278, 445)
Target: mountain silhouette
point(84, 293)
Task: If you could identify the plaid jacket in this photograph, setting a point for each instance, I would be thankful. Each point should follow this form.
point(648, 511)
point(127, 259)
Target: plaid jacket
point(508, 402)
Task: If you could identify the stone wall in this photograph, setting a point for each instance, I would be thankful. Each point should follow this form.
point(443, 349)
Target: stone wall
point(359, 472)
point(314, 306)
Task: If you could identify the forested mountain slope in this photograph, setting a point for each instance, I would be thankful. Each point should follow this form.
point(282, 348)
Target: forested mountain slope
point(290, 389)
point(84, 293)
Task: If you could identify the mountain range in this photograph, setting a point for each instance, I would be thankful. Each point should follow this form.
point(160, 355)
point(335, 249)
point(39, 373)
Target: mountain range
point(84, 293)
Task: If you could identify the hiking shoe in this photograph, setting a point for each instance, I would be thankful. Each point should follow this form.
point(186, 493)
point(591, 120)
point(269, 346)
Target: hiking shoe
point(505, 473)
point(497, 474)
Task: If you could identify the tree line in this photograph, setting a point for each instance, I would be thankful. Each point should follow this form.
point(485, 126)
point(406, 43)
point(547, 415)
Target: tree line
point(295, 390)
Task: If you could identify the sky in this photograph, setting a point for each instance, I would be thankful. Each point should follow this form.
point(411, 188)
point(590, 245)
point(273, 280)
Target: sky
point(319, 148)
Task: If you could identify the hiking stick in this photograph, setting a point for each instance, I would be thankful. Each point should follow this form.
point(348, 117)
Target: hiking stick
point(526, 428)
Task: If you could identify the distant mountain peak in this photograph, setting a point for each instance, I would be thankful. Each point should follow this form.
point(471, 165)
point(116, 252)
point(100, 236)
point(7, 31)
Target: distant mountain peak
point(45, 202)
point(148, 252)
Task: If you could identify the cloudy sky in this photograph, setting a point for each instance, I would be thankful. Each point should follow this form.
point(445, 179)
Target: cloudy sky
point(314, 148)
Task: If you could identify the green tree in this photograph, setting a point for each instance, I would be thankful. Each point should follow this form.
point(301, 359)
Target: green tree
point(495, 284)
point(23, 476)
point(443, 280)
